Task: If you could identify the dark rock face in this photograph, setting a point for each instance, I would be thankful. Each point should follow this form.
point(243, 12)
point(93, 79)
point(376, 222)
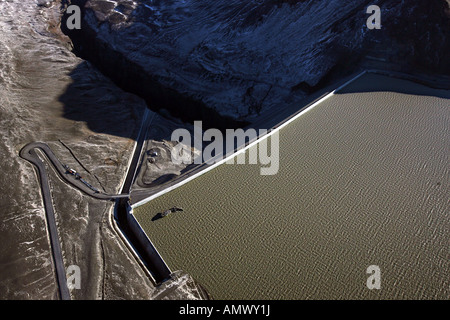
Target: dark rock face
point(226, 62)
point(420, 34)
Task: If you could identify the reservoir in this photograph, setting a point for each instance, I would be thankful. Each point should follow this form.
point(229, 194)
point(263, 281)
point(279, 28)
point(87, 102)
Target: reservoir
point(362, 180)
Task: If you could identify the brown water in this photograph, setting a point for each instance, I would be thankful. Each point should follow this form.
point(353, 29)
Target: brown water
point(363, 180)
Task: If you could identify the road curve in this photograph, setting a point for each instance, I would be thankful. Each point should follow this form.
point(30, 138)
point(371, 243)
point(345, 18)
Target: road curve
point(29, 153)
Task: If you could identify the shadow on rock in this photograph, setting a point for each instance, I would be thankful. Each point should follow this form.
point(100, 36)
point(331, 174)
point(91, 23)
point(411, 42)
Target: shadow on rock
point(95, 100)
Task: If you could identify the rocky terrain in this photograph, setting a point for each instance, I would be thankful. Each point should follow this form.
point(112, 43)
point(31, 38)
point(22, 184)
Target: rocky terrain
point(227, 63)
point(230, 61)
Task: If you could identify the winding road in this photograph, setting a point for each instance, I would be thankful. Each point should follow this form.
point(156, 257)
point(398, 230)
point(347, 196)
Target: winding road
point(29, 153)
point(38, 153)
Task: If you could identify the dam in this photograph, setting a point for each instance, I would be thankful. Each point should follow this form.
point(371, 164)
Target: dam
point(362, 180)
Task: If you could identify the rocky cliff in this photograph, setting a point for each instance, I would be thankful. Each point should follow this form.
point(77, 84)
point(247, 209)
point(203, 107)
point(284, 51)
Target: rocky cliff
point(227, 62)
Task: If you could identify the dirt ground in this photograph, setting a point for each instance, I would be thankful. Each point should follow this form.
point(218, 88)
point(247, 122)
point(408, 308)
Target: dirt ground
point(50, 95)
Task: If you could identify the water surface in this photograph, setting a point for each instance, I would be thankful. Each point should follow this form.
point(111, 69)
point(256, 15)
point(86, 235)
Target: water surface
point(363, 180)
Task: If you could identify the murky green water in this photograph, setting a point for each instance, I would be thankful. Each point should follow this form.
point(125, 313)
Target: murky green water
point(363, 180)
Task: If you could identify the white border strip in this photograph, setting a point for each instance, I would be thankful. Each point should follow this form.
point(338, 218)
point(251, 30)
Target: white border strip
point(209, 168)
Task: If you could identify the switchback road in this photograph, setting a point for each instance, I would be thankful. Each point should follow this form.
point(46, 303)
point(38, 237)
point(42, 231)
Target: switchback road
point(29, 153)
